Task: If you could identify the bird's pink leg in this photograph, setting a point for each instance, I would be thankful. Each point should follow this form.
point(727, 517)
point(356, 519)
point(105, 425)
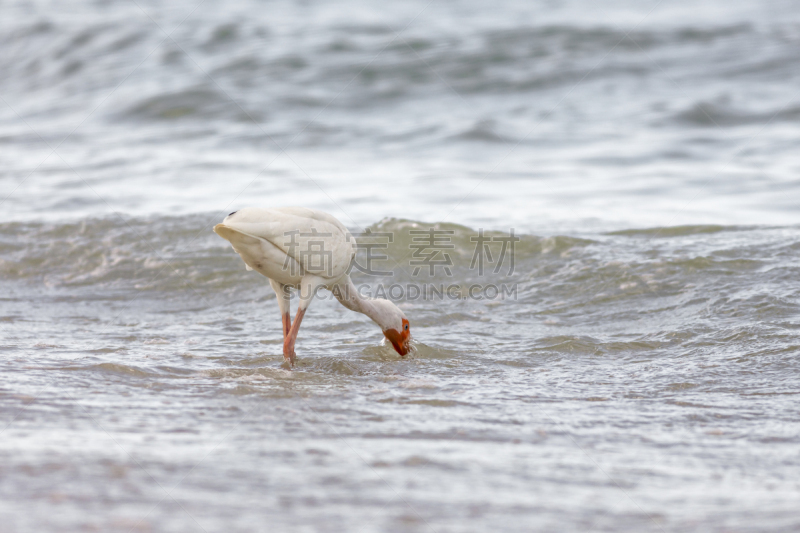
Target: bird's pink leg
point(287, 325)
point(288, 343)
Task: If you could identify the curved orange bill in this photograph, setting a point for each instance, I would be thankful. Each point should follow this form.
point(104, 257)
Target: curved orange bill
point(399, 340)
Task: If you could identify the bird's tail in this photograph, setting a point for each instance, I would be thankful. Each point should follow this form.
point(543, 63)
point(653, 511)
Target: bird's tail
point(235, 236)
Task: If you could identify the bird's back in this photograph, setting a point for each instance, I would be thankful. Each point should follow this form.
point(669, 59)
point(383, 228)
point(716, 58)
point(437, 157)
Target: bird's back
point(315, 241)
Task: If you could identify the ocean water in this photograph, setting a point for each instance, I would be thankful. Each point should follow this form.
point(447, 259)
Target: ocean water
point(638, 371)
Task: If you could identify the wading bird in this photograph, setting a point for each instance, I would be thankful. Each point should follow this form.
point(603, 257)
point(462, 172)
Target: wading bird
point(305, 249)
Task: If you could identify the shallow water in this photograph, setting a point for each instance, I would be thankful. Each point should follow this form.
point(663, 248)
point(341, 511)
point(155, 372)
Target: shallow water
point(641, 375)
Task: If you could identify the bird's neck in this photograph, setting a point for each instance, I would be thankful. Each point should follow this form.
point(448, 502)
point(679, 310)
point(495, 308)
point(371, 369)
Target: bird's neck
point(347, 294)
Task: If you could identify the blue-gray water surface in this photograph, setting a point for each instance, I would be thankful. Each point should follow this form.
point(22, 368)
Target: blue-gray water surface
point(640, 373)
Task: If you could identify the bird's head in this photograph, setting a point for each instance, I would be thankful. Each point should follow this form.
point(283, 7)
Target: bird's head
point(394, 324)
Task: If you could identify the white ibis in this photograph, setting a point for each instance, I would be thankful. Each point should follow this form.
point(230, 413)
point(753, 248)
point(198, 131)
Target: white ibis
point(305, 249)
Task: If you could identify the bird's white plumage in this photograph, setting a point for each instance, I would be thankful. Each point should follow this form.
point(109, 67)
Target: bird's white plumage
point(315, 242)
point(306, 249)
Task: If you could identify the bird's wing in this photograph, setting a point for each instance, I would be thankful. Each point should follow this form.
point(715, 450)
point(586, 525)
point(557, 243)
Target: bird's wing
point(316, 240)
